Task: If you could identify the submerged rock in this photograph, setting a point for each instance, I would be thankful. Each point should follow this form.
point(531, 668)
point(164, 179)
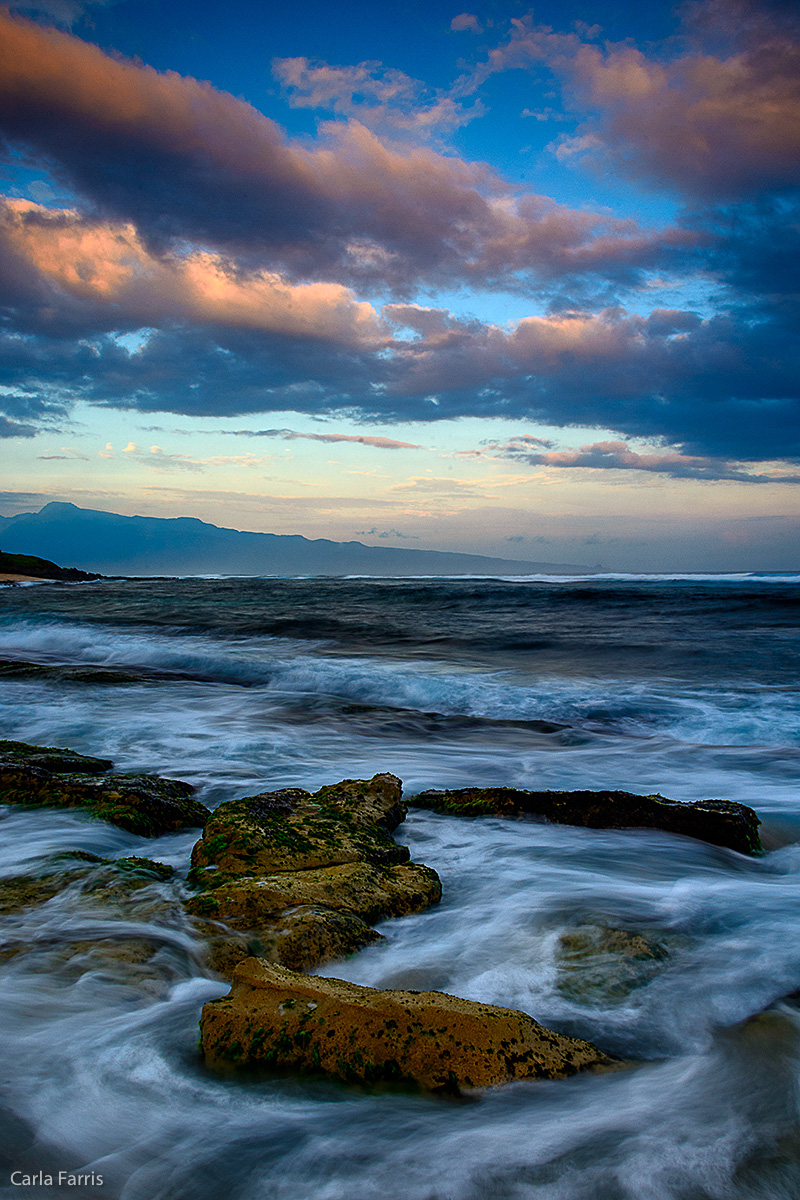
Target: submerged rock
point(303, 876)
point(720, 822)
point(600, 964)
point(20, 669)
point(110, 882)
point(117, 892)
point(277, 1018)
point(146, 805)
point(53, 758)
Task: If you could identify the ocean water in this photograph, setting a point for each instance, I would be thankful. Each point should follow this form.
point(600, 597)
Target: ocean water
point(683, 685)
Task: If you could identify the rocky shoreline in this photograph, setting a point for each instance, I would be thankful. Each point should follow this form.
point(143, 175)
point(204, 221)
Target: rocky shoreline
point(284, 881)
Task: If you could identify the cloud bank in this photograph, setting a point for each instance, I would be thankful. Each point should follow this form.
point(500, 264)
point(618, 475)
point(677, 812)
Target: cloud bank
point(256, 273)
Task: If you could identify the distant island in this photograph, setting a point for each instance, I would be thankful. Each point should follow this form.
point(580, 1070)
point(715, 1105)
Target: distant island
point(93, 541)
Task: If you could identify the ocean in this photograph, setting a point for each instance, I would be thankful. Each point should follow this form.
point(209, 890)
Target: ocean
point(683, 685)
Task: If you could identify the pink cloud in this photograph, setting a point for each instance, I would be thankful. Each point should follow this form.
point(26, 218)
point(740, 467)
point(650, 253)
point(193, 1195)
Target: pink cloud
point(352, 206)
point(618, 456)
point(466, 21)
point(107, 263)
point(377, 442)
point(716, 121)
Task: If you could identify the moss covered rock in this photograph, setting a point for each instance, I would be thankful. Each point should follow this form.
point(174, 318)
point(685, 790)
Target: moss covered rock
point(147, 805)
point(52, 758)
point(274, 1017)
point(295, 830)
point(720, 822)
point(303, 876)
point(104, 882)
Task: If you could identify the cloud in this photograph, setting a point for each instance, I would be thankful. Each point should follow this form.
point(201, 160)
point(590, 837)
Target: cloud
point(377, 442)
point(14, 429)
point(242, 292)
point(105, 265)
point(379, 97)
point(715, 114)
point(466, 21)
point(724, 386)
point(618, 456)
point(67, 454)
point(158, 459)
point(387, 533)
point(351, 206)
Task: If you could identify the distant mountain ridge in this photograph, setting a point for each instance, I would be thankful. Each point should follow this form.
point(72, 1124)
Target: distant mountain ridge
point(112, 544)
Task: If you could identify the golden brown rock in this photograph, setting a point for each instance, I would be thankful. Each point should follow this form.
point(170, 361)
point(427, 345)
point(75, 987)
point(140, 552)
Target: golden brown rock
point(369, 892)
point(274, 1017)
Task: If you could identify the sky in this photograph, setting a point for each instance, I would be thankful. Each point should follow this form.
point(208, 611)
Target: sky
point(511, 281)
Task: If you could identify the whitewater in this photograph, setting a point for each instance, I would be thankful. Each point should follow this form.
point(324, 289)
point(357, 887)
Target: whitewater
point(683, 685)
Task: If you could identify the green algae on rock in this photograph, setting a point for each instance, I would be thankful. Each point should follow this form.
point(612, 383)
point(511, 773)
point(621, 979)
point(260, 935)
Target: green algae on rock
point(276, 1018)
point(303, 876)
point(719, 822)
point(294, 830)
point(53, 758)
point(51, 777)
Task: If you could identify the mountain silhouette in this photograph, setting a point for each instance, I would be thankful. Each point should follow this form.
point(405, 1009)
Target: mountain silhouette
point(115, 545)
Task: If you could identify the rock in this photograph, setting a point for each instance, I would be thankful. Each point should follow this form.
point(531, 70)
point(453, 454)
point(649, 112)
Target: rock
point(304, 876)
point(600, 964)
point(106, 881)
point(146, 805)
point(369, 892)
point(18, 669)
point(120, 892)
point(24, 891)
point(312, 934)
point(277, 1018)
point(53, 758)
point(293, 830)
point(720, 822)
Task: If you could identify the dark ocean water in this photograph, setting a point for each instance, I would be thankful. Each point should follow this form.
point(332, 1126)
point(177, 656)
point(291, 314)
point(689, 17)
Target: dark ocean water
point(684, 686)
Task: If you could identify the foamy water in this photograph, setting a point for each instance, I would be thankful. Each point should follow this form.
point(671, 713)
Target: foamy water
point(688, 691)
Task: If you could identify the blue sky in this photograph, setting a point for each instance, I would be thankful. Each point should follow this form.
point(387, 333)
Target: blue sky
point(511, 281)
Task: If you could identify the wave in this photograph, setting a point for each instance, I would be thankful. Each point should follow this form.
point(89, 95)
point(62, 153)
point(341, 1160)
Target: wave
point(710, 712)
point(603, 577)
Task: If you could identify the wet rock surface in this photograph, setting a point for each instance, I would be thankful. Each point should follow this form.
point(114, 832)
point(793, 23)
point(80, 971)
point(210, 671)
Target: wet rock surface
point(108, 881)
point(146, 805)
point(110, 902)
point(277, 1018)
point(603, 965)
point(22, 669)
point(719, 822)
point(303, 876)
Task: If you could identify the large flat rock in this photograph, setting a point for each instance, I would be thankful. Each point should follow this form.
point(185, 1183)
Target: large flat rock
point(277, 1018)
point(720, 822)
